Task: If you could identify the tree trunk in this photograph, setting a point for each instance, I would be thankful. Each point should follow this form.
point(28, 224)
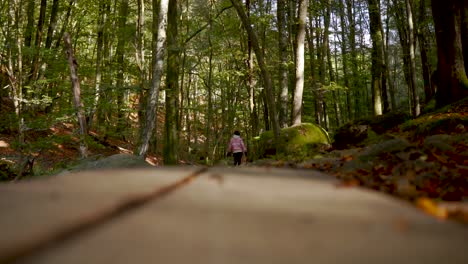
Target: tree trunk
point(265, 74)
point(209, 110)
point(354, 57)
point(251, 82)
point(391, 85)
point(120, 53)
point(52, 24)
point(344, 54)
point(283, 68)
point(450, 22)
point(172, 86)
point(15, 73)
point(313, 69)
point(159, 51)
point(425, 51)
point(414, 97)
point(299, 86)
point(102, 21)
point(38, 42)
point(30, 26)
point(377, 56)
point(65, 23)
point(319, 98)
point(140, 57)
point(76, 91)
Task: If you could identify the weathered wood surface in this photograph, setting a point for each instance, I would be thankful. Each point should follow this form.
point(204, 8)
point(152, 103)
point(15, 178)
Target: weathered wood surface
point(219, 216)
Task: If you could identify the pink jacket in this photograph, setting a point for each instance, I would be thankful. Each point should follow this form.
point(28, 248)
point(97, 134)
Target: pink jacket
point(236, 145)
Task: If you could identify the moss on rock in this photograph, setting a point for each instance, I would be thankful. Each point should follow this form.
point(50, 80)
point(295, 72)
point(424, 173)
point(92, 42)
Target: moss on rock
point(297, 140)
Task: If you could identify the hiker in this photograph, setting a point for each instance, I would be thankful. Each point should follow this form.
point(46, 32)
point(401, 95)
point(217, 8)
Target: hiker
point(237, 148)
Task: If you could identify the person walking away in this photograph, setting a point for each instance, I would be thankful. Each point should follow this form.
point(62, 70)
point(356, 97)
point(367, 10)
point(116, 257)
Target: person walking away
point(237, 148)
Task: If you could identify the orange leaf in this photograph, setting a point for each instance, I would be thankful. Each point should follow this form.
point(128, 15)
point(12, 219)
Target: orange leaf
point(431, 207)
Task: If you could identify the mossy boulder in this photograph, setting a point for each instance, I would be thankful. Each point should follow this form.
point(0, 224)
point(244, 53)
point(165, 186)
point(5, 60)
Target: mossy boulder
point(451, 119)
point(358, 132)
point(299, 140)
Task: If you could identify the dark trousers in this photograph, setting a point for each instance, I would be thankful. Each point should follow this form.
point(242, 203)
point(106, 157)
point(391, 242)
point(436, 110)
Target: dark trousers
point(237, 158)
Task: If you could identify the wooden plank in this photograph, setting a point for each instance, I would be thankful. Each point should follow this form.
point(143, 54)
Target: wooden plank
point(268, 216)
point(42, 212)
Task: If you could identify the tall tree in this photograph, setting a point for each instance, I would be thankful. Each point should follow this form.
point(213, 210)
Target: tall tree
point(76, 91)
point(378, 84)
point(159, 50)
point(38, 41)
point(101, 23)
point(261, 62)
point(283, 63)
point(299, 84)
point(451, 26)
point(344, 54)
point(172, 86)
point(354, 56)
point(414, 97)
point(120, 56)
point(30, 26)
point(424, 47)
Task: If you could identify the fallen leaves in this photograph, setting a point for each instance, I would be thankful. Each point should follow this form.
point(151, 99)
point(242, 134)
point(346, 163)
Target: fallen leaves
point(432, 208)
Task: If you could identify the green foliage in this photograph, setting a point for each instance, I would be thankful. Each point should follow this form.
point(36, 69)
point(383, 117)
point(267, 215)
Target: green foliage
point(6, 171)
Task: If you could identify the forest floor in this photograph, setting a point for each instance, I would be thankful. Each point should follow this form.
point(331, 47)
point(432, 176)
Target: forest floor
point(424, 161)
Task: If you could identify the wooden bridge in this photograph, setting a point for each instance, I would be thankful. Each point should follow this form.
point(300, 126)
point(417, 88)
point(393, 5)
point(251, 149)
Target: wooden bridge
point(218, 215)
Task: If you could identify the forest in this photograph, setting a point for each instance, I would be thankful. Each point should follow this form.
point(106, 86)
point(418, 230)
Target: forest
point(172, 79)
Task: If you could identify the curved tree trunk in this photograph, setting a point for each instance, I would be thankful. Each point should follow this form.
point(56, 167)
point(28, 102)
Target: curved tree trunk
point(261, 62)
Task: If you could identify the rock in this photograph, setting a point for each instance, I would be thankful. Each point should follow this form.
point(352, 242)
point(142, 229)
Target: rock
point(355, 133)
point(298, 140)
point(376, 152)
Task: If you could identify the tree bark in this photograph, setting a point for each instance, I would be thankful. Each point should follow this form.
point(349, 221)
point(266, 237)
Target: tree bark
point(452, 78)
point(172, 86)
point(265, 74)
point(38, 42)
point(101, 27)
point(299, 86)
point(76, 91)
point(377, 57)
point(14, 67)
point(52, 24)
point(425, 51)
point(354, 57)
point(120, 55)
point(283, 68)
point(30, 25)
point(344, 55)
point(140, 56)
point(251, 81)
point(65, 23)
point(159, 50)
point(414, 97)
